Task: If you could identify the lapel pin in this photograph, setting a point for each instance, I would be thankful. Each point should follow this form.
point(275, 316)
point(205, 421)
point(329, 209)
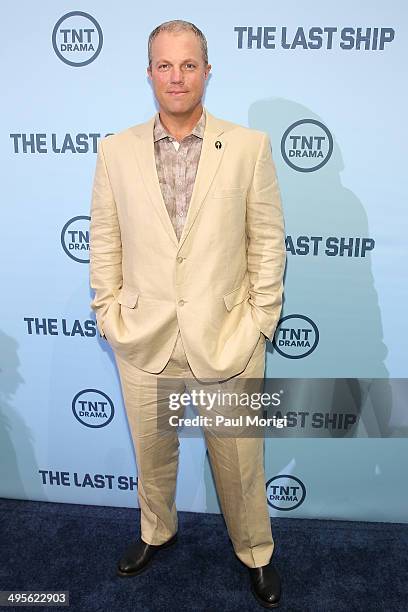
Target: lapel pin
point(218, 145)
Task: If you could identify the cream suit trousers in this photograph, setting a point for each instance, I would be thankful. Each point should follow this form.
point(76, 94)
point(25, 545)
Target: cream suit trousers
point(236, 460)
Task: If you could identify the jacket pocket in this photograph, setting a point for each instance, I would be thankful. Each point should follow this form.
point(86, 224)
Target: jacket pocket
point(228, 192)
point(128, 297)
point(236, 296)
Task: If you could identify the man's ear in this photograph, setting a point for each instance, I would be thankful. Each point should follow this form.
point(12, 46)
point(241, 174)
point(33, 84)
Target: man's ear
point(149, 72)
point(208, 71)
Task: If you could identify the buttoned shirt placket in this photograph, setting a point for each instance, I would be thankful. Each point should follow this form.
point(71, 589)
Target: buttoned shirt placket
point(173, 161)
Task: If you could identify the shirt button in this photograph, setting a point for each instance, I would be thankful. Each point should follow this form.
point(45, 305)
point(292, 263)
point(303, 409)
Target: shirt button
point(180, 259)
point(180, 213)
point(181, 302)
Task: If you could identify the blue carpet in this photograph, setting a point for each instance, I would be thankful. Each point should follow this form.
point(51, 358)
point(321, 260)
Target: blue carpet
point(326, 566)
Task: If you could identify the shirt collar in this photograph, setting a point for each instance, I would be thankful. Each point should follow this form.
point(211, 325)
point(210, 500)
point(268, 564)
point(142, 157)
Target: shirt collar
point(159, 131)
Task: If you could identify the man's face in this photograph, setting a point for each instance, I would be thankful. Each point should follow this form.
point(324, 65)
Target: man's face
point(178, 72)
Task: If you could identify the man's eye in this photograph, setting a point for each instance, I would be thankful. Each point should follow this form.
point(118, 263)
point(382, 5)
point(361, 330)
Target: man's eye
point(162, 66)
point(190, 65)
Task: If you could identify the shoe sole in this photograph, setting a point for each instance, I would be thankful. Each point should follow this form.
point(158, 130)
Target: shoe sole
point(264, 603)
point(142, 569)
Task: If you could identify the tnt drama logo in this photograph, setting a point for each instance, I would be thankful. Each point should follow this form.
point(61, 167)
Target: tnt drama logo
point(307, 145)
point(285, 492)
point(77, 38)
point(296, 336)
point(75, 238)
point(93, 408)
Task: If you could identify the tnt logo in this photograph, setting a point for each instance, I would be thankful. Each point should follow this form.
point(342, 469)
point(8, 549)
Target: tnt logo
point(75, 238)
point(93, 408)
point(307, 145)
point(296, 336)
point(285, 492)
point(77, 38)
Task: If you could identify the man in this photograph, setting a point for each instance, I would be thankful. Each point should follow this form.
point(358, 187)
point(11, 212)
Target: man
point(187, 260)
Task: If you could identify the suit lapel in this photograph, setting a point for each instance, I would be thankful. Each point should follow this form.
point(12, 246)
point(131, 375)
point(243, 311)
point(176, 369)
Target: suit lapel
point(143, 147)
point(210, 159)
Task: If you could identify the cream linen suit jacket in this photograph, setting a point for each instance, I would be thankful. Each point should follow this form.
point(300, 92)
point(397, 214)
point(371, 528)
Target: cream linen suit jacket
point(221, 284)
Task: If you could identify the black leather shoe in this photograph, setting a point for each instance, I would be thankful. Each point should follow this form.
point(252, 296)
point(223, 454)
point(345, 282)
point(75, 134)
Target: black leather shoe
point(265, 585)
point(138, 555)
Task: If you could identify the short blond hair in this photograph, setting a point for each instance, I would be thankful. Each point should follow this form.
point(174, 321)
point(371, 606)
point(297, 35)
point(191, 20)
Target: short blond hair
point(175, 26)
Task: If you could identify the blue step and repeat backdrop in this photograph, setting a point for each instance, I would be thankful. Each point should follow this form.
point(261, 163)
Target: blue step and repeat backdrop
point(327, 81)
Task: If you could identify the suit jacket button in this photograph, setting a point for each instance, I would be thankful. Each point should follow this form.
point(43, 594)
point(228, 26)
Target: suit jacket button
point(181, 302)
point(180, 259)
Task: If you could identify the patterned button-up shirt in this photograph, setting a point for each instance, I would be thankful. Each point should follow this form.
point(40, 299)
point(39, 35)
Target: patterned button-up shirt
point(176, 165)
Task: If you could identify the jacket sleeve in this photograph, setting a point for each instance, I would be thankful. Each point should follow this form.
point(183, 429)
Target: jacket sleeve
point(265, 234)
point(105, 242)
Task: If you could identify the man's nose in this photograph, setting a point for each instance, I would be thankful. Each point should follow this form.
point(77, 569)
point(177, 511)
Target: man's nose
point(176, 75)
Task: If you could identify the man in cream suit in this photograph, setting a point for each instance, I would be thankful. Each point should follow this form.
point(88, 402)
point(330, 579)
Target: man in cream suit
point(187, 261)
